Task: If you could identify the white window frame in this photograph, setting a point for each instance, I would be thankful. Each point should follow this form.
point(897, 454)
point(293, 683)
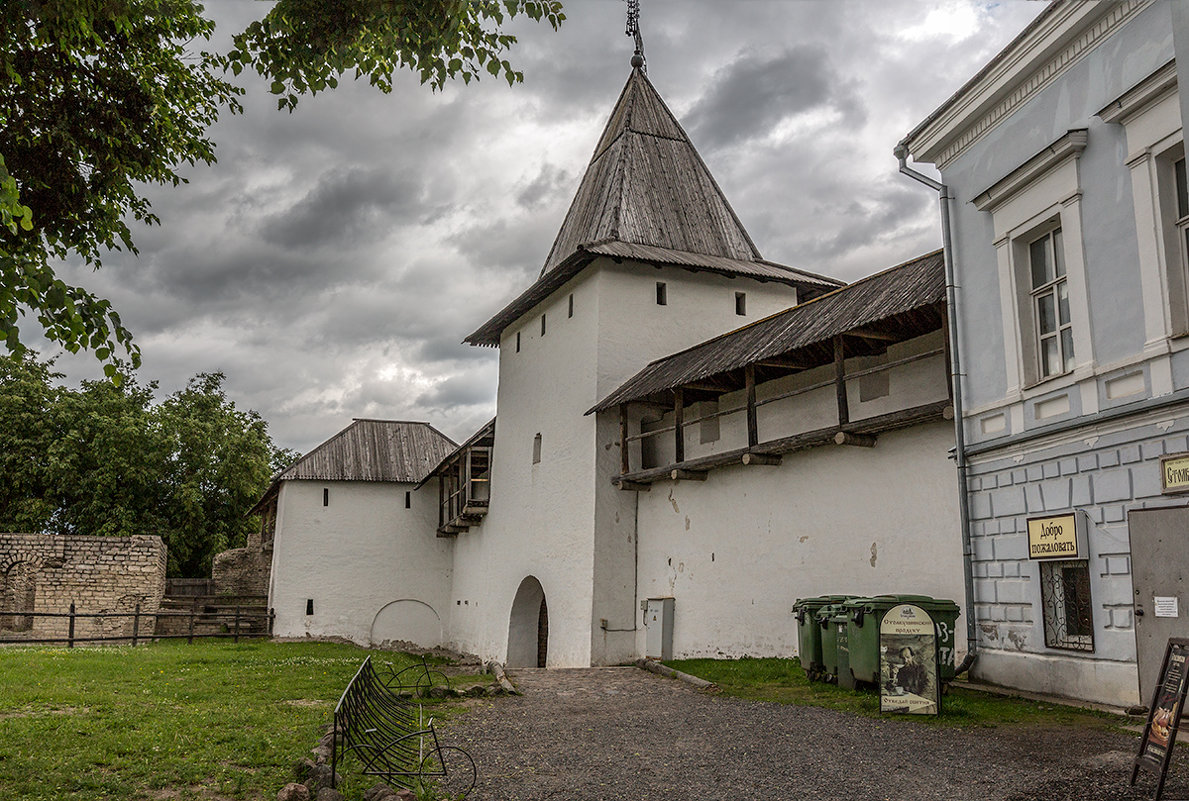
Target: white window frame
point(1150, 114)
point(1054, 288)
point(1039, 197)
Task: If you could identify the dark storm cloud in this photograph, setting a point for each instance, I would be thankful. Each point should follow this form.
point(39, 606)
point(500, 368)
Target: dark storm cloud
point(345, 206)
point(549, 185)
point(755, 92)
point(459, 390)
point(333, 260)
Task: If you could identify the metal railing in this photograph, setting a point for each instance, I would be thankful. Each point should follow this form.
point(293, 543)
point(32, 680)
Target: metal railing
point(378, 723)
point(238, 622)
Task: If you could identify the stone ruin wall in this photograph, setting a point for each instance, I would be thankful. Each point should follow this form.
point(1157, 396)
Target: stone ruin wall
point(243, 572)
point(45, 573)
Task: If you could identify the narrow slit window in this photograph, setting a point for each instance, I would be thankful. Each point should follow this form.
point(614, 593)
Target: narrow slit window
point(326, 496)
point(518, 342)
point(570, 311)
point(542, 325)
point(309, 606)
point(537, 449)
point(662, 294)
point(741, 303)
point(408, 500)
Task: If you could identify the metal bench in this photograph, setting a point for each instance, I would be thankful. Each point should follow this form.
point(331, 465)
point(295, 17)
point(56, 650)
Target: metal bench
point(391, 737)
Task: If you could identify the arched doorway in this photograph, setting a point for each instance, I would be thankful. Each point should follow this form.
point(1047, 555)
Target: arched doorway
point(528, 628)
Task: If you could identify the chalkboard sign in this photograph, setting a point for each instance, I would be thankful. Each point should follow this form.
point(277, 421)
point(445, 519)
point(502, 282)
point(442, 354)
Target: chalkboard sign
point(908, 662)
point(1164, 716)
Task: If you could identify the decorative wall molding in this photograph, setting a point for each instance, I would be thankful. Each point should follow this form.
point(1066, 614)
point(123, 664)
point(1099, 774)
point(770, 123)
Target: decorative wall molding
point(1069, 145)
point(1116, 15)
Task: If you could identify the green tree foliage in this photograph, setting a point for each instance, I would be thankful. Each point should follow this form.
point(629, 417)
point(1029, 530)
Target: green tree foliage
point(306, 45)
point(96, 97)
point(99, 97)
point(104, 459)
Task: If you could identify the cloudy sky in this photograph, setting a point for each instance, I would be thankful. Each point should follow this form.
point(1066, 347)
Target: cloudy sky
point(332, 261)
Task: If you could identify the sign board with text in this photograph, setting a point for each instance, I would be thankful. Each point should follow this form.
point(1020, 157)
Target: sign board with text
point(909, 670)
point(1174, 473)
point(1164, 715)
point(1057, 537)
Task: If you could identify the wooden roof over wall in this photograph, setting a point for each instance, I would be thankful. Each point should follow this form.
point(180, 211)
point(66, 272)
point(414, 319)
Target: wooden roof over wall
point(897, 304)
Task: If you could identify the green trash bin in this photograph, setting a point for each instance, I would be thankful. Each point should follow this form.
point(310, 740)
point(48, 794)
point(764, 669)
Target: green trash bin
point(839, 622)
point(864, 616)
point(809, 632)
point(829, 633)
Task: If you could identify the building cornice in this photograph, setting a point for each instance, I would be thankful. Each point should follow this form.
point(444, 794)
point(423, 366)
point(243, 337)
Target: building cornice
point(1068, 146)
point(1157, 86)
point(1056, 41)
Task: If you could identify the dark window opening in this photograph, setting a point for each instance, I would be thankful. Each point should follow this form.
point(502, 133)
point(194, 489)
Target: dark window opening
point(1065, 598)
point(570, 313)
point(408, 500)
point(326, 496)
point(542, 325)
point(741, 303)
point(537, 449)
point(309, 606)
point(662, 294)
point(518, 342)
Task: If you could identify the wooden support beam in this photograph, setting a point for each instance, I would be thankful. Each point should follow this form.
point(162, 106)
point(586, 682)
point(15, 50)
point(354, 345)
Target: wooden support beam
point(869, 333)
point(949, 363)
point(624, 456)
point(785, 363)
point(706, 386)
point(633, 486)
point(840, 381)
point(753, 429)
point(860, 440)
point(687, 475)
point(679, 424)
point(761, 458)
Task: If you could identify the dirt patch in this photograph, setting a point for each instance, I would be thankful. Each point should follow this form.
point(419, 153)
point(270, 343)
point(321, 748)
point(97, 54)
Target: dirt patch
point(306, 702)
point(33, 713)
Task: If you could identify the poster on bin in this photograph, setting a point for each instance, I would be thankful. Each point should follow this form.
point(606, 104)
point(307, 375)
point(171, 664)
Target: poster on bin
point(908, 667)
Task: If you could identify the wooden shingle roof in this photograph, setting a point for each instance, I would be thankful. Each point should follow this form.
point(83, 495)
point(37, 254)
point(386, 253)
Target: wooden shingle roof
point(647, 185)
point(374, 450)
point(902, 302)
point(647, 196)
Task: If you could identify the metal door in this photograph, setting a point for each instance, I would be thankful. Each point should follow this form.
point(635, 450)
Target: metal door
point(1159, 565)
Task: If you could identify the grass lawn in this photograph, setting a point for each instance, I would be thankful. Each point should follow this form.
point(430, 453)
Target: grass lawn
point(211, 720)
point(784, 681)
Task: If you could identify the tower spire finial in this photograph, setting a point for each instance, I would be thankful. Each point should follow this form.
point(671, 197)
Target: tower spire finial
point(633, 30)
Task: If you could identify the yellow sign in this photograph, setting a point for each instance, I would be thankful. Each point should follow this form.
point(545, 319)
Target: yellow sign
point(1053, 538)
point(1174, 473)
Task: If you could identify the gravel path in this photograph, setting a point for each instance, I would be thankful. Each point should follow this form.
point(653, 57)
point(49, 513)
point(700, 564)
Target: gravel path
point(622, 733)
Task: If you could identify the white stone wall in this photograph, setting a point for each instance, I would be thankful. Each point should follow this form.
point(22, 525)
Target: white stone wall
point(735, 551)
point(560, 520)
point(374, 569)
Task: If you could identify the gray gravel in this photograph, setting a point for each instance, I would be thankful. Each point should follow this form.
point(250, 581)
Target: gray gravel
point(623, 733)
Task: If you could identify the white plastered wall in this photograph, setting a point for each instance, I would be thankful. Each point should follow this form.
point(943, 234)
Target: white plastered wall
point(735, 551)
point(561, 520)
point(374, 569)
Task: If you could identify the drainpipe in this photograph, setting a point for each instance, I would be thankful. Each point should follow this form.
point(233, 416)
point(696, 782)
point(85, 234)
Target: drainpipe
point(944, 197)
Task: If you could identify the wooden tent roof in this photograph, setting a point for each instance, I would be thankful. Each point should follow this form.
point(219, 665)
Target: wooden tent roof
point(369, 450)
point(647, 196)
point(899, 303)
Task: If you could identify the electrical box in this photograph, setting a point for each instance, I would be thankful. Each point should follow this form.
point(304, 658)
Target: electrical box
point(658, 619)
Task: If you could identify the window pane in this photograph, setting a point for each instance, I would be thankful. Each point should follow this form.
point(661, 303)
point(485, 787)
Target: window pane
point(1049, 363)
point(1182, 189)
point(1063, 303)
point(1067, 349)
point(1059, 252)
point(1038, 255)
point(1046, 313)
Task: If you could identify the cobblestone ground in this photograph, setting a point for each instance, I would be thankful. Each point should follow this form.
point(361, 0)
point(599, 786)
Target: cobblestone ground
point(623, 733)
